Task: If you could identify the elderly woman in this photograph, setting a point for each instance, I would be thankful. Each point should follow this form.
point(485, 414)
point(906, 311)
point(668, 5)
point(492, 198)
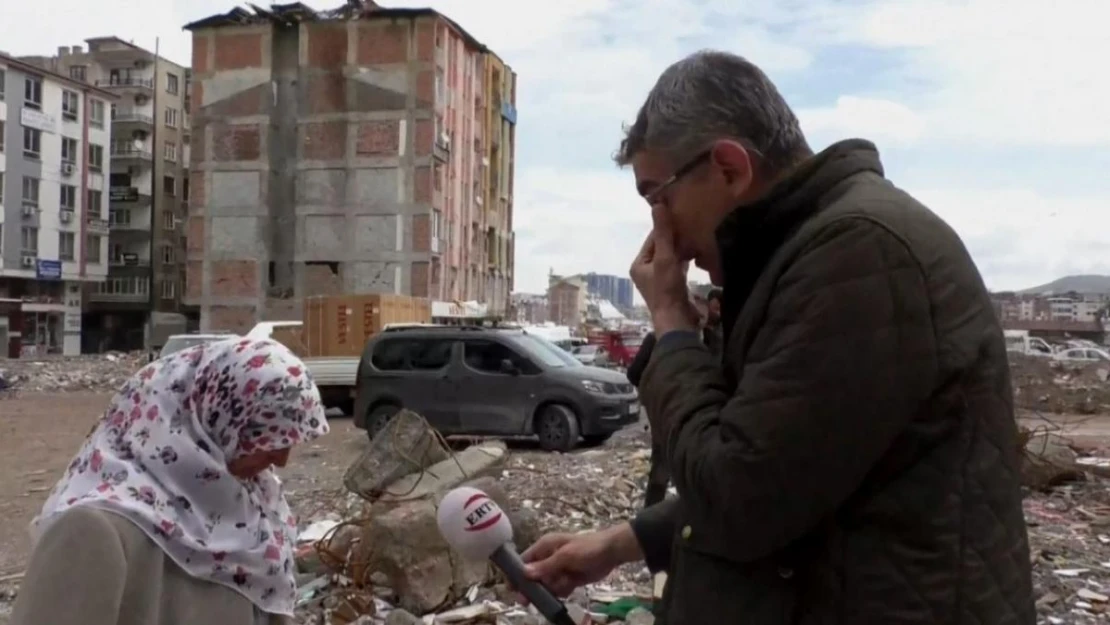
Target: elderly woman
point(171, 513)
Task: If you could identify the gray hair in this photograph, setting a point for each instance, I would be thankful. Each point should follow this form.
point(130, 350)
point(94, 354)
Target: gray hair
point(713, 95)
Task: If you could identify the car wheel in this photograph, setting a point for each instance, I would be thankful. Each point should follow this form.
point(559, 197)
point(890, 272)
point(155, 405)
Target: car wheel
point(378, 418)
point(557, 428)
point(596, 440)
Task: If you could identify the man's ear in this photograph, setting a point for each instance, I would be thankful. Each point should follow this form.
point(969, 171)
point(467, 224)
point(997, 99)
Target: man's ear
point(734, 162)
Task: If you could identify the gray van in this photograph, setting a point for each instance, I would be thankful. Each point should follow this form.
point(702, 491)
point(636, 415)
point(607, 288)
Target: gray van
point(493, 382)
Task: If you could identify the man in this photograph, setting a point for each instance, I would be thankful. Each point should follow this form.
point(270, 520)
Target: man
point(852, 459)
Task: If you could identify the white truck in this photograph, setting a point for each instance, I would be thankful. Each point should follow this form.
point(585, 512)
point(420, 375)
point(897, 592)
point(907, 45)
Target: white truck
point(1020, 342)
point(335, 377)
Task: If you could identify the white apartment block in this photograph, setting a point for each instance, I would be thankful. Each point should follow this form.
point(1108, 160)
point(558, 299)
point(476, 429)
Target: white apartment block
point(55, 137)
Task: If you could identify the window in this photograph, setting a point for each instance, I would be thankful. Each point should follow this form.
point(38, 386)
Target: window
point(96, 157)
point(169, 151)
point(441, 87)
point(69, 150)
point(92, 248)
point(171, 83)
point(169, 289)
point(32, 92)
point(79, 72)
point(32, 143)
point(96, 113)
point(123, 286)
point(168, 257)
point(68, 198)
point(94, 204)
point(412, 354)
point(171, 118)
point(489, 356)
point(169, 221)
point(1, 127)
point(119, 216)
point(169, 185)
point(30, 191)
point(69, 105)
point(3, 79)
point(66, 246)
point(185, 189)
point(1, 188)
point(29, 239)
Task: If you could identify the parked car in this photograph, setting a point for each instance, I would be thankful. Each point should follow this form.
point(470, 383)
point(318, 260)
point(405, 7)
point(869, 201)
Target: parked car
point(493, 382)
point(595, 355)
point(178, 342)
point(1082, 355)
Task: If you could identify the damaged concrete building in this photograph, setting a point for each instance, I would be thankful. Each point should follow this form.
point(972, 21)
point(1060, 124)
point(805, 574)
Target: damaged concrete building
point(359, 150)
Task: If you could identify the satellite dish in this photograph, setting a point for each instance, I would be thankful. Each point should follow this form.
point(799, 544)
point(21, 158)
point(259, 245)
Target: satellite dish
point(138, 143)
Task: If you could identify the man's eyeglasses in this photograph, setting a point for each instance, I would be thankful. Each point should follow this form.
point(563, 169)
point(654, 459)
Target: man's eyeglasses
point(653, 196)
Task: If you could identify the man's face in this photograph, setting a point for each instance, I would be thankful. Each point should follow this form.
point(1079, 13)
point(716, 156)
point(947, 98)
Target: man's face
point(698, 193)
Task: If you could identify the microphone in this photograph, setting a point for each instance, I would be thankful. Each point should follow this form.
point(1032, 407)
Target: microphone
point(476, 527)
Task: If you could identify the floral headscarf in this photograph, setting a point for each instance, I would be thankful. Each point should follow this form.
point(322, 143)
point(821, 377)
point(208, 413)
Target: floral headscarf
point(159, 458)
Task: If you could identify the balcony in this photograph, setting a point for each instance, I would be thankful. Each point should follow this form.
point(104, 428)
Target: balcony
point(128, 196)
point(96, 225)
point(125, 150)
point(132, 117)
point(126, 82)
point(126, 289)
point(128, 259)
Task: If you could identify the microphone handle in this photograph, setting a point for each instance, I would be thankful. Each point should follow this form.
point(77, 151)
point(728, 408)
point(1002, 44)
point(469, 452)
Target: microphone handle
point(507, 559)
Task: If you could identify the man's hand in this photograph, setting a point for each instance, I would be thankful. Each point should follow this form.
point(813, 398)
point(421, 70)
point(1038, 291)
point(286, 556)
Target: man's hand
point(563, 562)
point(660, 277)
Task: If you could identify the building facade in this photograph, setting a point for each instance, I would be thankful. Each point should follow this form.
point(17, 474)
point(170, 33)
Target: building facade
point(529, 308)
point(54, 158)
point(615, 289)
point(360, 150)
point(567, 300)
point(1084, 308)
point(148, 187)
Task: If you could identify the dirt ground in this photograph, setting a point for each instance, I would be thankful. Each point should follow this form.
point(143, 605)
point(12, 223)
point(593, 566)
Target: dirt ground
point(40, 433)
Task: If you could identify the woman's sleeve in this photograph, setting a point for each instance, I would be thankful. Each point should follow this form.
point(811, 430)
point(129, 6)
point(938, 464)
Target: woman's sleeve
point(76, 575)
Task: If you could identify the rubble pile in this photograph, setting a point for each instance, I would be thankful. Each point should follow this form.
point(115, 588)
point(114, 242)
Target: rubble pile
point(1053, 386)
point(96, 373)
point(1069, 535)
point(387, 563)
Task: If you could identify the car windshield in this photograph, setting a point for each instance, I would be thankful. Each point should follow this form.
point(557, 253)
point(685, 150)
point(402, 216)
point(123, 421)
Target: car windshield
point(586, 350)
point(544, 351)
point(179, 343)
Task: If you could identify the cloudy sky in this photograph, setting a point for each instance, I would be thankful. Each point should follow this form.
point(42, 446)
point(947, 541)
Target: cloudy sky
point(995, 114)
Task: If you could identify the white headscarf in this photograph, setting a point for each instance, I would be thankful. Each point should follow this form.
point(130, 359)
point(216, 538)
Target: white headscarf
point(159, 458)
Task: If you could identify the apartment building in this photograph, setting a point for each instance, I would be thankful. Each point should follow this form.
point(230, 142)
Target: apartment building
point(359, 150)
point(148, 187)
point(615, 289)
point(54, 155)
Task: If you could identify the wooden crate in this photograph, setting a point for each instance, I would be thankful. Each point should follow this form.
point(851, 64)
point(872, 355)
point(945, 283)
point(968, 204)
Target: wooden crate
point(340, 325)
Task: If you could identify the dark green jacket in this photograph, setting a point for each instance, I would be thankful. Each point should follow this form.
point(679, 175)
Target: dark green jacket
point(854, 460)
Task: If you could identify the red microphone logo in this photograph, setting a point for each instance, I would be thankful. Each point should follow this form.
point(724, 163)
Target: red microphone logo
point(480, 512)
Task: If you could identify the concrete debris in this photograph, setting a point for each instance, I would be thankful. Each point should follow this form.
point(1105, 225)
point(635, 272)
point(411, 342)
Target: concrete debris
point(389, 563)
point(406, 445)
point(1048, 461)
point(1054, 386)
point(94, 373)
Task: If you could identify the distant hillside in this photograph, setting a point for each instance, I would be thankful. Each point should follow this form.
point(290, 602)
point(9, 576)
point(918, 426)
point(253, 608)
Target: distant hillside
point(1079, 284)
